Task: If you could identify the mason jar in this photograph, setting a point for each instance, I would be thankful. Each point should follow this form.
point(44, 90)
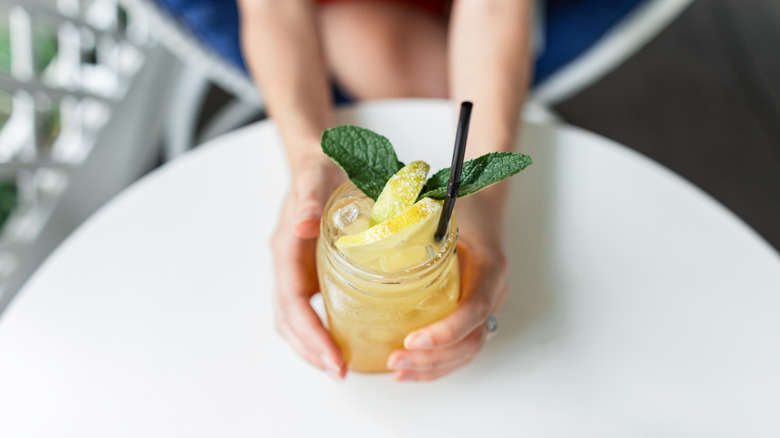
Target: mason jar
point(370, 311)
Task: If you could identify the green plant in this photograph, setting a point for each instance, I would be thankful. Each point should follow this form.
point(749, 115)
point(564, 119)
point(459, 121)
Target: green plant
point(44, 46)
point(9, 198)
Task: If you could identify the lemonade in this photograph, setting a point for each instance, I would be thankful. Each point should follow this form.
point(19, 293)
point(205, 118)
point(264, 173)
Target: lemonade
point(376, 291)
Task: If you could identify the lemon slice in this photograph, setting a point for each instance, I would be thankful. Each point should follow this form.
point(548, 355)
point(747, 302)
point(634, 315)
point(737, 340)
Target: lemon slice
point(414, 225)
point(400, 192)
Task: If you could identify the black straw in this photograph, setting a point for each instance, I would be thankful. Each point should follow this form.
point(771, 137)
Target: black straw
point(458, 153)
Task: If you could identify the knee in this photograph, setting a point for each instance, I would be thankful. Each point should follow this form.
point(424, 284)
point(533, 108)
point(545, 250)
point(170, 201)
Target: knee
point(386, 56)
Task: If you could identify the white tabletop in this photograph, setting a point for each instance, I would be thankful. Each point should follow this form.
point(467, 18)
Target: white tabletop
point(639, 307)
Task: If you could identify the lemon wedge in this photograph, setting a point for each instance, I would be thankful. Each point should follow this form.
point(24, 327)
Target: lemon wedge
point(400, 192)
point(414, 224)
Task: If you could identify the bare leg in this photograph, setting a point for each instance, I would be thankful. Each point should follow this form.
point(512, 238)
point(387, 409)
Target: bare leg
point(381, 50)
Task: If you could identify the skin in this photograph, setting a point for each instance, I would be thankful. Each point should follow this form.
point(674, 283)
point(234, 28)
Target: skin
point(385, 50)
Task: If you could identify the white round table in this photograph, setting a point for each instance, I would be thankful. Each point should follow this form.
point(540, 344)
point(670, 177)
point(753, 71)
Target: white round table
point(639, 307)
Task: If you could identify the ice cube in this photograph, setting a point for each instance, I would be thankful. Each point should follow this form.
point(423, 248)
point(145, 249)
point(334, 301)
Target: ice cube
point(352, 217)
point(358, 226)
point(406, 256)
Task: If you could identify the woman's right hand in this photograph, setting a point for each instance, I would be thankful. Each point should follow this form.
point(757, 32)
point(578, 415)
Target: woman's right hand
point(293, 246)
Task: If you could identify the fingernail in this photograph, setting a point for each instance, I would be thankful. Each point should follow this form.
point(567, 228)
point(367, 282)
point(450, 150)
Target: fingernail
point(399, 364)
point(421, 340)
point(307, 214)
point(331, 366)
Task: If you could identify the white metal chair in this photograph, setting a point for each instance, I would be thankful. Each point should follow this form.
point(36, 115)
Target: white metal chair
point(622, 42)
point(99, 84)
point(200, 67)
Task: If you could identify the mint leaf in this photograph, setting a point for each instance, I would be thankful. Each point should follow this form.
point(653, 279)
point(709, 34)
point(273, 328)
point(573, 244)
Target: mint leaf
point(367, 157)
point(369, 161)
point(477, 174)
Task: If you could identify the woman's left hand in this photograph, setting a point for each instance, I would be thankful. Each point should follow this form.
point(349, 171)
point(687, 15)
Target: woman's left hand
point(440, 348)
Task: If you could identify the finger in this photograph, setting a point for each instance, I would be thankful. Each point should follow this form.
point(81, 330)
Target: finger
point(471, 312)
point(308, 329)
point(432, 359)
point(312, 354)
point(295, 266)
point(302, 350)
point(311, 195)
point(297, 282)
point(482, 285)
point(307, 221)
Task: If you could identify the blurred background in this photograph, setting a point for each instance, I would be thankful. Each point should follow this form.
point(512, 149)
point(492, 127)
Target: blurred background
point(96, 93)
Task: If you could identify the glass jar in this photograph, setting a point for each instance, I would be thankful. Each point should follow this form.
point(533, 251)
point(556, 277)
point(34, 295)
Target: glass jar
point(371, 311)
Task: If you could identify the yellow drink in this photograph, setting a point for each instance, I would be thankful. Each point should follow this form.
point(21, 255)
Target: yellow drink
point(376, 295)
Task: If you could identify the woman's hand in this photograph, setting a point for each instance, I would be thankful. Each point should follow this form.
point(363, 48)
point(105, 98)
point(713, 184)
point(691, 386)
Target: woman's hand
point(442, 347)
point(293, 245)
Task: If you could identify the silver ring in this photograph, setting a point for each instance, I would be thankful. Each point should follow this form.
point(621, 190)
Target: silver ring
point(492, 326)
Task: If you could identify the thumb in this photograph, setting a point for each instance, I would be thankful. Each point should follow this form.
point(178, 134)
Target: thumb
point(309, 208)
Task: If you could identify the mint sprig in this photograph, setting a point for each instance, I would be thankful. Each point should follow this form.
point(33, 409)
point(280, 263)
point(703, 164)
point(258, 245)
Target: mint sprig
point(367, 157)
point(477, 174)
point(370, 160)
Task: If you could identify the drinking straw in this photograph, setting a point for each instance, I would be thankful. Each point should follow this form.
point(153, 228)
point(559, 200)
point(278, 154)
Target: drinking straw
point(455, 170)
